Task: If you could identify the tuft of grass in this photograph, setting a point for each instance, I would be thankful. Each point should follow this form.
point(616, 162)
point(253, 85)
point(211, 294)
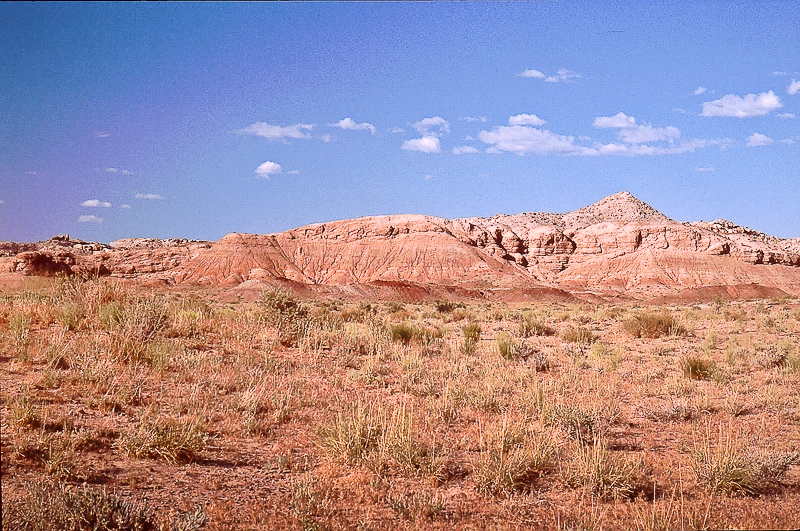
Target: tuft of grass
point(697, 368)
point(401, 332)
point(174, 441)
point(603, 473)
point(511, 458)
point(653, 325)
point(530, 326)
point(731, 467)
point(578, 335)
point(53, 506)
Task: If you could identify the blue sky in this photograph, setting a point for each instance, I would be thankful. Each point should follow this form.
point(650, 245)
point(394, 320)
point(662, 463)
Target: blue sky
point(196, 120)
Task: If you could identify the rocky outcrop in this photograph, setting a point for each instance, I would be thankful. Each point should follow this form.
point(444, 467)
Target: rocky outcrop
point(617, 247)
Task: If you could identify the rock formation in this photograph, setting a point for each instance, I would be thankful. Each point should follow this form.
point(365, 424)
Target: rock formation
point(617, 247)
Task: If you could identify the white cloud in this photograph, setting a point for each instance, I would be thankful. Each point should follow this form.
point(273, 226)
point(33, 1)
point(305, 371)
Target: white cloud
point(426, 144)
point(562, 75)
point(646, 149)
point(779, 73)
point(124, 206)
point(759, 140)
point(326, 138)
point(148, 196)
point(397, 130)
point(742, 107)
point(2, 201)
point(700, 90)
point(349, 123)
point(32, 173)
point(532, 73)
point(787, 140)
point(428, 177)
point(96, 203)
point(633, 133)
point(292, 172)
point(102, 134)
point(618, 120)
point(481, 119)
point(268, 168)
point(521, 139)
point(793, 88)
point(464, 149)
point(705, 169)
point(118, 170)
point(276, 132)
point(89, 219)
point(785, 115)
point(435, 126)
point(525, 119)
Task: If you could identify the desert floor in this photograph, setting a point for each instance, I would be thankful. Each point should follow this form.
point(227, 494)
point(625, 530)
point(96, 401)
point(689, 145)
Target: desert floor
point(188, 409)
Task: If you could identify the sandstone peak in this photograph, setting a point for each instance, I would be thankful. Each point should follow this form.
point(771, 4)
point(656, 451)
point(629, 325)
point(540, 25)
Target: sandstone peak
point(621, 207)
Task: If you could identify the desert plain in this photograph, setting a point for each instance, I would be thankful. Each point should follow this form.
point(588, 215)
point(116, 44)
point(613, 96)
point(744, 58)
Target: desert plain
point(608, 368)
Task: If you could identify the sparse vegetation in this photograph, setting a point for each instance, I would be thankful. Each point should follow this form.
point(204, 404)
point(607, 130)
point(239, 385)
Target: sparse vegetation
point(340, 414)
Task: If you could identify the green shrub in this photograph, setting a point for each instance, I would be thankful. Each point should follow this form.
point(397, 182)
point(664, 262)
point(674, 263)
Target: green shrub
point(530, 326)
point(401, 332)
point(653, 325)
point(697, 368)
point(53, 506)
point(578, 335)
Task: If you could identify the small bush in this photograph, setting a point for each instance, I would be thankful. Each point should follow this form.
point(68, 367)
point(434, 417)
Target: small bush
point(729, 466)
point(401, 332)
point(53, 506)
point(281, 303)
point(511, 458)
point(173, 441)
point(472, 332)
point(530, 326)
point(697, 368)
point(653, 325)
point(605, 474)
point(578, 335)
point(447, 306)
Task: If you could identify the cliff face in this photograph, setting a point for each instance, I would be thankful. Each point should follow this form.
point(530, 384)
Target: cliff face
point(618, 246)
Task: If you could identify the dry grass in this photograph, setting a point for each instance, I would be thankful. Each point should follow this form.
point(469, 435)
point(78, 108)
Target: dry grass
point(286, 413)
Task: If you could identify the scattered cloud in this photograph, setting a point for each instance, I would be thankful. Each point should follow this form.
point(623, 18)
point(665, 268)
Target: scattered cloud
point(326, 138)
point(759, 140)
point(428, 177)
point(268, 168)
point(124, 206)
point(464, 149)
point(532, 73)
point(700, 90)
point(292, 172)
point(481, 119)
point(706, 169)
point(89, 219)
point(148, 196)
point(742, 107)
point(349, 123)
point(96, 203)
point(649, 150)
point(521, 139)
point(618, 120)
point(118, 170)
point(785, 115)
point(562, 75)
point(787, 140)
point(793, 88)
point(779, 73)
point(102, 134)
point(397, 130)
point(435, 126)
point(276, 132)
point(426, 144)
point(526, 119)
point(31, 173)
point(632, 133)
point(2, 201)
